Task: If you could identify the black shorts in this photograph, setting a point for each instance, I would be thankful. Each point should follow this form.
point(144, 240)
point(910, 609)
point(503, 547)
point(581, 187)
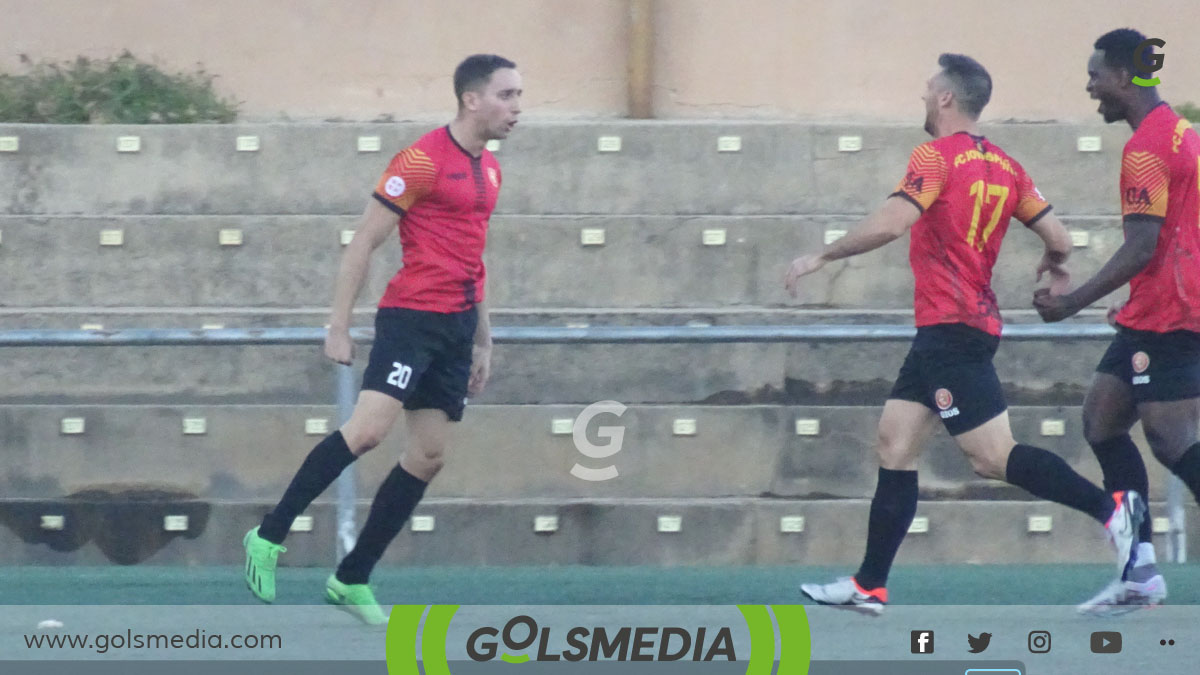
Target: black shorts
point(949, 370)
point(422, 358)
point(1157, 366)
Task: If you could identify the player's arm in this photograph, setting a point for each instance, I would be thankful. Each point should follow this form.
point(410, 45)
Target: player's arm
point(888, 223)
point(377, 224)
point(481, 352)
point(1145, 179)
point(917, 191)
point(483, 330)
point(1057, 240)
point(1141, 239)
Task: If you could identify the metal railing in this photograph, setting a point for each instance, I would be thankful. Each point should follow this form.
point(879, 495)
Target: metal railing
point(346, 386)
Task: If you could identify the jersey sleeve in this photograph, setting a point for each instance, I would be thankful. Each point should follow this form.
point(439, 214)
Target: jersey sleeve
point(408, 179)
point(1031, 205)
point(925, 178)
point(1144, 181)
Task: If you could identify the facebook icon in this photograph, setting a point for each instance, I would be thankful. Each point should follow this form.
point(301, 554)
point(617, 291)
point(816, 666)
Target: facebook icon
point(922, 642)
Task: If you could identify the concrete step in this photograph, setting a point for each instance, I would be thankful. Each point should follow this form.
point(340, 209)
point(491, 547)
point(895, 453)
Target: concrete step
point(549, 168)
point(251, 452)
point(589, 532)
point(645, 262)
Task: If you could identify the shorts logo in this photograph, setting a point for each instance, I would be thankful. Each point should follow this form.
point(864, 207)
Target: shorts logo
point(1141, 361)
point(492, 176)
point(394, 187)
point(943, 398)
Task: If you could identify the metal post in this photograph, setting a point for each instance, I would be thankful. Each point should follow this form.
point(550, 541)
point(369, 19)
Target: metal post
point(347, 483)
point(1177, 534)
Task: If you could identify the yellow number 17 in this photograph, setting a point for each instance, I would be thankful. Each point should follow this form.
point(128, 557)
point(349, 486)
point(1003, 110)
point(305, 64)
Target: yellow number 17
point(982, 192)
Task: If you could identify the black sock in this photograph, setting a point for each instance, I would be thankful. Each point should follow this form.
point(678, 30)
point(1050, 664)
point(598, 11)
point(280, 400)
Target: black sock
point(1046, 475)
point(892, 511)
point(322, 466)
point(1124, 470)
point(394, 503)
point(1188, 470)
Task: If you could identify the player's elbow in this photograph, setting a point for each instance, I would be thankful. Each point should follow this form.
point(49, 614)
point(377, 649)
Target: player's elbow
point(1142, 254)
point(895, 230)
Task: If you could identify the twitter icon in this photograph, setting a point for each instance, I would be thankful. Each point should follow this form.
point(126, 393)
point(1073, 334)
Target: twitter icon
point(978, 644)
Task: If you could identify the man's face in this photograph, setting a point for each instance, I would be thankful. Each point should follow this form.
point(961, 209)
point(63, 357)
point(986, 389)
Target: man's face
point(934, 88)
point(497, 104)
point(1105, 84)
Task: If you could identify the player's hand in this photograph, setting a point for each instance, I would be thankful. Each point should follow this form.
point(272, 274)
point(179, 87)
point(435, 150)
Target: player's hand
point(338, 346)
point(1053, 307)
point(1113, 312)
point(802, 266)
point(481, 369)
point(1060, 278)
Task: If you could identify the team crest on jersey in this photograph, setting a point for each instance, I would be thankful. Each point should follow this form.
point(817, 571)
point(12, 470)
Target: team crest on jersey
point(1141, 361)
point(492, 176)
point(394, 187)
point(943, 398)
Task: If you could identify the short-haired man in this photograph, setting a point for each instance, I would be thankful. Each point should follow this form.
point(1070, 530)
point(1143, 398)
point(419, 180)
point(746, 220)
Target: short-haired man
point(432, 337)
point(1151, 371)
point(958, 196)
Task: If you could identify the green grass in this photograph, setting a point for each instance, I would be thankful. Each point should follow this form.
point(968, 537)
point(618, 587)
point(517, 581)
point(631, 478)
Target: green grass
point(918, 585)
point(120, 90)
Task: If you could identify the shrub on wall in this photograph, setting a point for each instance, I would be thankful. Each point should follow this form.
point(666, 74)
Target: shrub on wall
point(1189, 110)
point(120, 90)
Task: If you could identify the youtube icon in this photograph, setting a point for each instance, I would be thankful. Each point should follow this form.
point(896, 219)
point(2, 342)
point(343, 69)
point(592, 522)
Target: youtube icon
point(1106, 642)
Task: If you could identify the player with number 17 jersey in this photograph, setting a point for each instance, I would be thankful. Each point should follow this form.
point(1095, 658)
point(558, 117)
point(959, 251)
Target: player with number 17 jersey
point(967, 189)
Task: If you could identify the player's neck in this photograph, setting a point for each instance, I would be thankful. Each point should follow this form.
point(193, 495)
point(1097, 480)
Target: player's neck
point(1141, 107)
point(957, 126)
point(467, 136)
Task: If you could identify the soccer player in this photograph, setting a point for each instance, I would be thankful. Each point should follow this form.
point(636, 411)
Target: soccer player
point(1151, 370)
point(957, 197)
point(432, 336)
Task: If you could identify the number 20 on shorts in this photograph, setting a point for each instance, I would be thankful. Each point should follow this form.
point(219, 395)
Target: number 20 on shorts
point(400, 375)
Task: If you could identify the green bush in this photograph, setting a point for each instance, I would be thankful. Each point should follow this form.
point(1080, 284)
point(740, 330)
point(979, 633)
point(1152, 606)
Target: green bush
point(121, 90)
point(1189, 110)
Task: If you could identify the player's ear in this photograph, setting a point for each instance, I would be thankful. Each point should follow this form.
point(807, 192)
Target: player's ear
point(470, 99)
point(946, 98)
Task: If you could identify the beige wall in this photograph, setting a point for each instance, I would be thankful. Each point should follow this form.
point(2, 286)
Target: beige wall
point(360, 59)
point(866, 58)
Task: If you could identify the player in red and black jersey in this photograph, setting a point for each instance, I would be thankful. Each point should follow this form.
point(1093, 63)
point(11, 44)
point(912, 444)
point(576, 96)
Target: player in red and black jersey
point(957, 197)
point(1151, 372)
point(432, 336)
